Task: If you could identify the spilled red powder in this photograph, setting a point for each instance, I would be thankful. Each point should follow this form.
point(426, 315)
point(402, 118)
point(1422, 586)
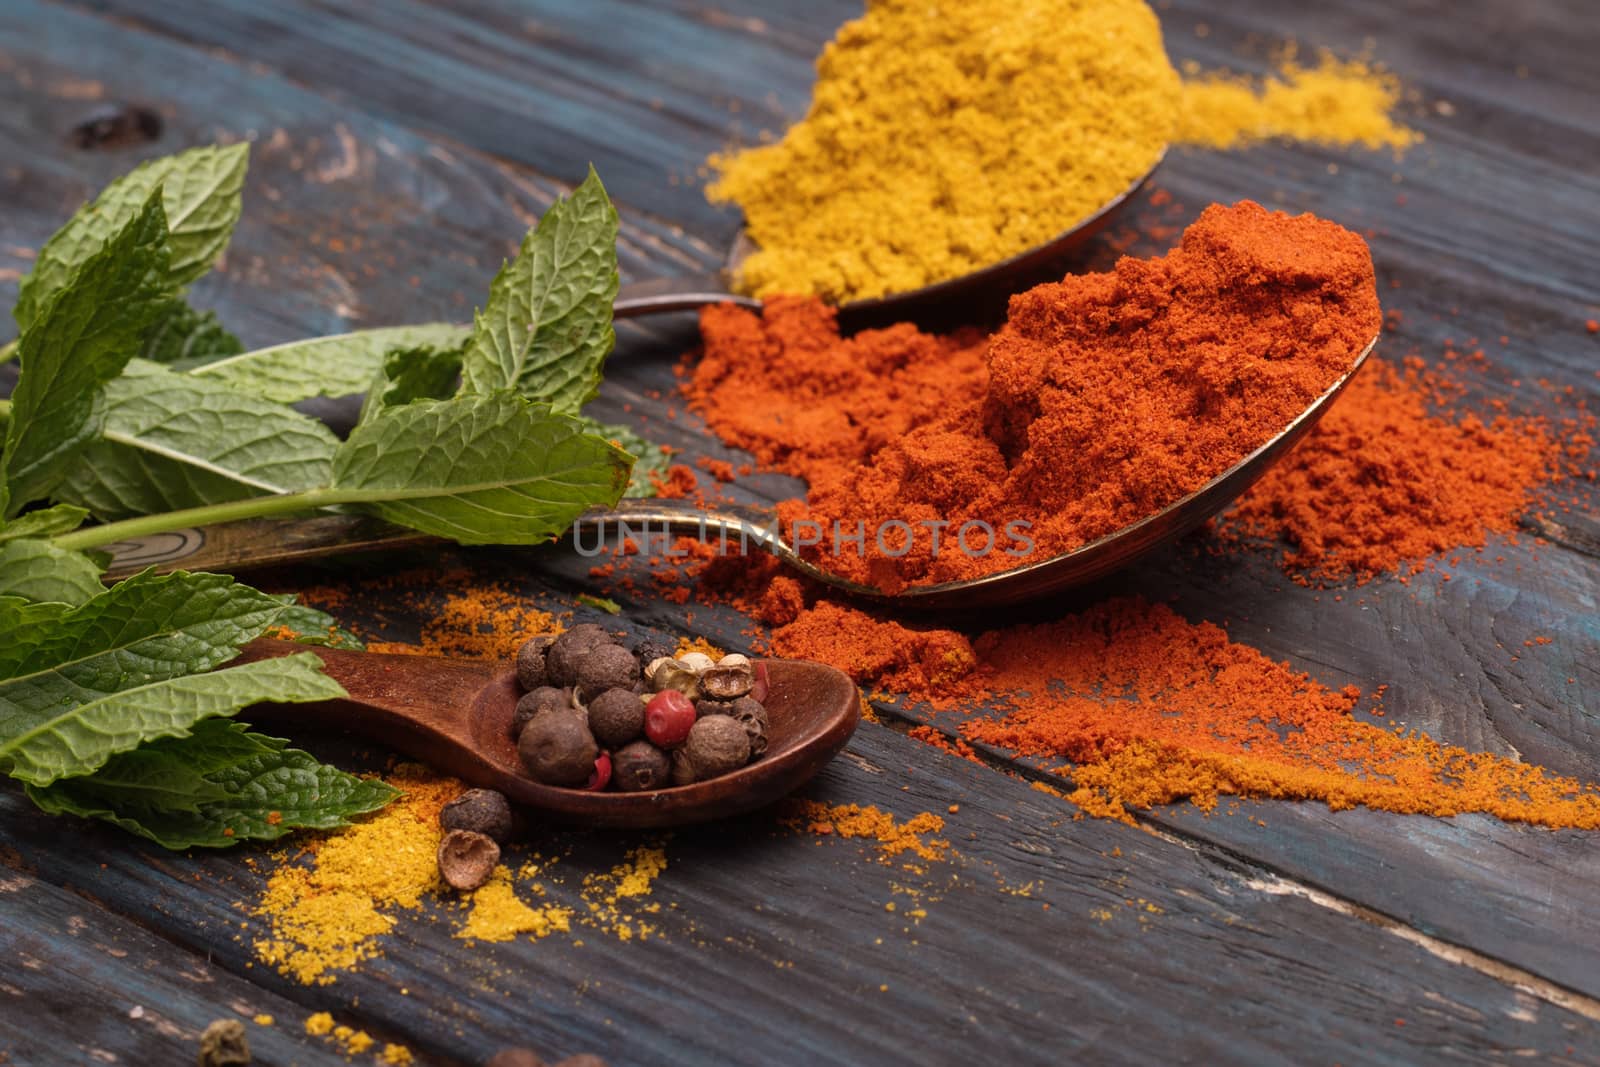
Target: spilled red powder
point(1393, 474)
point(1149, 708)
point(1104, 398)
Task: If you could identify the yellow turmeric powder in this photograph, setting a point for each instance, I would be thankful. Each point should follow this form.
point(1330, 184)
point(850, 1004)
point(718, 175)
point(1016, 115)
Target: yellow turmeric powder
point(894, 836)
point(498, 914)
point(944, 135)
point(1336, 102)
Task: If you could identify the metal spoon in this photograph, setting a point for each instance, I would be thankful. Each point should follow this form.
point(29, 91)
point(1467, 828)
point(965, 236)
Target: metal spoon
point(690, 291)
point(456, 716)
point(238, 546)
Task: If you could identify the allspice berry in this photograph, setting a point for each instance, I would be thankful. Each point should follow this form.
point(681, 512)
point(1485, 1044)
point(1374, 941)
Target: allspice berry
point(224, 1044)
point(515, 1057)
point(467, 859)
point(558, 749)
point(606, 667)
point(728, 679)
point(562, 658)
point(682, 772)
point(750, 714)
point(716, 745)
point(616, 717)
point(482, 811)
point(640, 766)
point(530, 663)
point(650, 649)
point(537, 701)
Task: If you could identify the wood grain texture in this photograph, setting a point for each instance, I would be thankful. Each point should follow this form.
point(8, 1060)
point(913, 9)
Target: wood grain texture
point(399, 153)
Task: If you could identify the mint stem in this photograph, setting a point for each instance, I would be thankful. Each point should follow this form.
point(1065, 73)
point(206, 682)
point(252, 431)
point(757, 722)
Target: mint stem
point(145, 525)
point(8, 351)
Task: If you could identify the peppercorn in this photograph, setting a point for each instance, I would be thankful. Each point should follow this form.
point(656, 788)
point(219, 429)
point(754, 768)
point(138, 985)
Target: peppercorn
point(562, 658)
point(535, 702)
point(224, 1044)
point(667, 718)
point(600, 777)
point(606, 667)
point(467, 859)
point(482, 811)
point(716, 745)
point(530, 662)
point(515, 1057)
point(558, 749)
point(616, 717)
point(730, 678)
point(640, 766)
point(682, 768)
point(750, 714)
point(649, 650)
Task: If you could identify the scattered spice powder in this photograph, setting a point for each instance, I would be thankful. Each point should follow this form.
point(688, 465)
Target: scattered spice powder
point(1104, 398)
point(1151, 709)
point(632, 878)
point(1392, 474)
point(498, 914)
point(1336, 102)
point(894, 837)
point(326, 912)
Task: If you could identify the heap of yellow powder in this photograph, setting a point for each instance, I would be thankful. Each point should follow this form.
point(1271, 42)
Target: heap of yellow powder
point(893, 836)
point(947, 135)
point(498, 914)
point(1336, 102)
point(944, 135)
point(326, 914)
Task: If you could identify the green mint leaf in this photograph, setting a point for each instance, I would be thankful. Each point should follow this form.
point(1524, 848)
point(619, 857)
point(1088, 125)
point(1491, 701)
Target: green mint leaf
point(186, 338)
point(170, 441)
point(83, 336)
point(39, 571)
point(547, 329)
point(313, 627)
point(407, 374)
point(200, 192)
point(79, 737)
point(492, 469)
point(340, 365)
point(649, 458)
point(45, 522)
point(217, 787)
point(599, 603)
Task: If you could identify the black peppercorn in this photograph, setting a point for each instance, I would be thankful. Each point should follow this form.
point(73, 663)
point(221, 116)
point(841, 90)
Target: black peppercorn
point(566, 652)
point(530, 663)
point(616, 717)
point(649, 650)
point(748, 713)
point(606, 667)
point(482, 811)
point(640, 766)
point(558, 749)
point(716, 745)
point(467, 859)
point(224, 1044)
point(533, 703)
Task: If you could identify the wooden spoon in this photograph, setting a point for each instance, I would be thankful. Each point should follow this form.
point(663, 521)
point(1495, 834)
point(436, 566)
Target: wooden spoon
point(456, 716)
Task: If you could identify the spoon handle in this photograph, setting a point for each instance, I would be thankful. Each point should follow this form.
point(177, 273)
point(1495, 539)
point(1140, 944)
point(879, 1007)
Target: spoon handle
point(420, 705)
point(270, 542)
point(683, 293)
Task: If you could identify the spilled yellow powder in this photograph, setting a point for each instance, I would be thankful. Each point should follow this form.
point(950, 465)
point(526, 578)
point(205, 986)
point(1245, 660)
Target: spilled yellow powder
point(320, 1024)
point(893, 836)
point(396, 1056)
point(687, 645)
point(1335, 102)
point(497, 914)
point(633, 877)
point(482, 622)
point(326, 914)
point(354, 1041)
point(263, 1020)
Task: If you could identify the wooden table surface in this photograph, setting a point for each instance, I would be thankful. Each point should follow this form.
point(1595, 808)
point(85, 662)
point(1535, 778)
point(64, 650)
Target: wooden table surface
point(400, 151)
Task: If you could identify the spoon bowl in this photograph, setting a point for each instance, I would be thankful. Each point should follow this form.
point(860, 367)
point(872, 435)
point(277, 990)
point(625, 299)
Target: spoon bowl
point(1012, 274)
point(456, 716)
